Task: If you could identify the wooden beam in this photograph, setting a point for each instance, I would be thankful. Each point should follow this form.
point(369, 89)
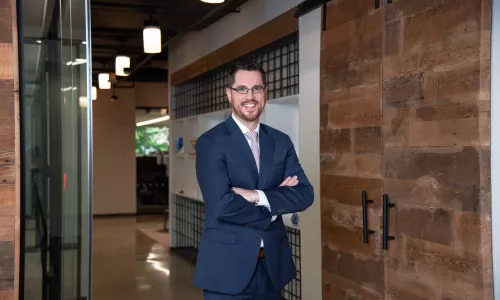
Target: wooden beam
point(10, 196)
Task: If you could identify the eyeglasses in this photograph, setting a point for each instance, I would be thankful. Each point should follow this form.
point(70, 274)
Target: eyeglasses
point(244, 90)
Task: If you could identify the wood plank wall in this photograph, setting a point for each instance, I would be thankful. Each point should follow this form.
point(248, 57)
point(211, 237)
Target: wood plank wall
point(351, 149)
point(405, 95)
point(9, 153)
point(267, 33)
point(436, 117)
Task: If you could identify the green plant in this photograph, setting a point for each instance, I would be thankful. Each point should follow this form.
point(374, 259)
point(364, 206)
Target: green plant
point(151, 139)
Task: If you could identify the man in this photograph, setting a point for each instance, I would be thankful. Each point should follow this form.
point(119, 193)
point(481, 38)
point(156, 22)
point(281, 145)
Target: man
point(249, 175)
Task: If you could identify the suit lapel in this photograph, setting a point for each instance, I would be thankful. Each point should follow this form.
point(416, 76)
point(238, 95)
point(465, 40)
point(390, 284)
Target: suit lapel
point(266, 144)
point(241, 149)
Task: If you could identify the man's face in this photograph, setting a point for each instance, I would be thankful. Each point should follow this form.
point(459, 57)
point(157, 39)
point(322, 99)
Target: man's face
point(247, 106)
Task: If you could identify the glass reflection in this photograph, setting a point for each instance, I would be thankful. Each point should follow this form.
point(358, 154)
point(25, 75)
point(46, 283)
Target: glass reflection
point(56, 131)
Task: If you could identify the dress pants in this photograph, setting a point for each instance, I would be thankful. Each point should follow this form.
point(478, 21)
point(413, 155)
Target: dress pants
point(259, 288)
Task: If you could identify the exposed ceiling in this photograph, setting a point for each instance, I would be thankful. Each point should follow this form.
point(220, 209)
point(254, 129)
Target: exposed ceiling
point(117, 27)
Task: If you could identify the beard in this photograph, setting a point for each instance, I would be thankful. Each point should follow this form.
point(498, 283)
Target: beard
point(249, 116)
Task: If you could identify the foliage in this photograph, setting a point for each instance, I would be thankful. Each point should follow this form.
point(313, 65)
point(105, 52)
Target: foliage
point(150, 139)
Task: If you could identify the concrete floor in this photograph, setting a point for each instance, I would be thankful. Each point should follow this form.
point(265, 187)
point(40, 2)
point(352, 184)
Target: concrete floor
point(129, 264)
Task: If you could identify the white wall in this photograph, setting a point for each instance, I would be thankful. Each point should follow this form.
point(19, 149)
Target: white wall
point(114, 153)
point(187, 49)
point(309, 100)
point(114, 173)
point(253, 14)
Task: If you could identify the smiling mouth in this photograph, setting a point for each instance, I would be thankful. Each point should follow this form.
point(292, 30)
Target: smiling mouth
point(250, 104)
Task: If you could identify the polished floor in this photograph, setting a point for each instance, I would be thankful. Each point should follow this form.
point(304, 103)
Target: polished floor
point(131, 261)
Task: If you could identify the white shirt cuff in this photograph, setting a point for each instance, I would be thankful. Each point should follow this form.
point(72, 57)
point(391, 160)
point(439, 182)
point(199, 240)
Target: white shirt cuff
point(264, 202)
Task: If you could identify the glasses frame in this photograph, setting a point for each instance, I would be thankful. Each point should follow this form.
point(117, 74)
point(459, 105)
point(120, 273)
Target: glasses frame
point(264, 89)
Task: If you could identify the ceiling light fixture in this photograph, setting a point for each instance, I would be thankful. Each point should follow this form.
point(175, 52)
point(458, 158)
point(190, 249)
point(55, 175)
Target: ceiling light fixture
point(104, 83)
point(151, 37)
point(122, 62)
point(152, 121)
point(213, 1)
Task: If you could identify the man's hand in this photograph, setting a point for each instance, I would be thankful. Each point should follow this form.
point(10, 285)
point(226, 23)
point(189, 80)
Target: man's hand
point(253, 196)
point(249, 195)
point(290, 181)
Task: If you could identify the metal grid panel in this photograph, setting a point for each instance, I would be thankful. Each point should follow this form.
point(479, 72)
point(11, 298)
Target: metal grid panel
point(201, 95)
point(293, 290)
point(206, 93)
point(189, 220)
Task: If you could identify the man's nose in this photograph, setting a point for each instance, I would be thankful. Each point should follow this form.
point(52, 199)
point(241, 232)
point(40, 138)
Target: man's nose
point(250, 94)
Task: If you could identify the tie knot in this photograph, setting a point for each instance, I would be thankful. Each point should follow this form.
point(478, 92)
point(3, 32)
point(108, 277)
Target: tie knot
point(252, 135)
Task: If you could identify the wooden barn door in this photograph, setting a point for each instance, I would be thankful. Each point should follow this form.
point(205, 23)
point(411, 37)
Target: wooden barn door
point(405, 117)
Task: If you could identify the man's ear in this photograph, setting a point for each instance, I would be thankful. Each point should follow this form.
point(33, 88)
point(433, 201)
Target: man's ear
point(228, 93)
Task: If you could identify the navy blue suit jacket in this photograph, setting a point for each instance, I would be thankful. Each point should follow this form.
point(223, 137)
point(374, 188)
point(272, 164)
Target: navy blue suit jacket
point(231, 239)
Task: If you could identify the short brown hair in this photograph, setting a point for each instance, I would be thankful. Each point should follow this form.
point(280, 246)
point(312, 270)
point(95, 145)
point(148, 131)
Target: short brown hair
point(245, 66)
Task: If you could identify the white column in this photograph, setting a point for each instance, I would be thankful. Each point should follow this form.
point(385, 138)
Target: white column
point(309, 105)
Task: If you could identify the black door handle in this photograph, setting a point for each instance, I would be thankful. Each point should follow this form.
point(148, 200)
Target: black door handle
point(366, 231)
point(385, 206)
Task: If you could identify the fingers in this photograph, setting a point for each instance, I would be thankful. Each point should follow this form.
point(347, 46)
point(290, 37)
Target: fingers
point(285, 182)
point(290, 181)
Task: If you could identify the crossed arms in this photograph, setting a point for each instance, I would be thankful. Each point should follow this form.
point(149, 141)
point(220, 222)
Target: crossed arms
point(236, 205)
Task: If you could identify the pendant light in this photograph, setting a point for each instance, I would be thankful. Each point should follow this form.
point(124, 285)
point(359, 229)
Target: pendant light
point(104, 83)
point(213, 1)
point(151, 36)
point(121, 62)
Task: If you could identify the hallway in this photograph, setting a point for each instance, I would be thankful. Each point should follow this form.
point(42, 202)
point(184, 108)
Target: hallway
point(130, 265)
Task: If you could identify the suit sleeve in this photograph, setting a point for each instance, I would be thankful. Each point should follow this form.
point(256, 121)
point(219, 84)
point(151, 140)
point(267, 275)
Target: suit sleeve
point(215, 185)
point(291, 199)
point(264, 202)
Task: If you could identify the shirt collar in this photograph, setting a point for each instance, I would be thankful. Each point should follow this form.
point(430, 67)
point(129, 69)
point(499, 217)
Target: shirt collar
point(242, 127)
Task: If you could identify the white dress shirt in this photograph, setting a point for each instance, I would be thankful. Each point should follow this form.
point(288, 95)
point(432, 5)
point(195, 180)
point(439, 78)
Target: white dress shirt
point(262, 197)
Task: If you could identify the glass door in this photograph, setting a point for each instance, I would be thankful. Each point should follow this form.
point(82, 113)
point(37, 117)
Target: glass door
point(56, 138)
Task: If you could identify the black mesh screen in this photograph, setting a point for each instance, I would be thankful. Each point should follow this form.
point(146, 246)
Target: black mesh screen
point(292, 291)
point(206, 93)
point(189, 218)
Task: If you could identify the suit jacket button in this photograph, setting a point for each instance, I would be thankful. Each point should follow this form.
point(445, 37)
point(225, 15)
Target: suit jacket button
point(257, 236)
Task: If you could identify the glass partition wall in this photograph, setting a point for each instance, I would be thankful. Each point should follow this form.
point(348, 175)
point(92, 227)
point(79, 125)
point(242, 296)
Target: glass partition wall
point(56, 131)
